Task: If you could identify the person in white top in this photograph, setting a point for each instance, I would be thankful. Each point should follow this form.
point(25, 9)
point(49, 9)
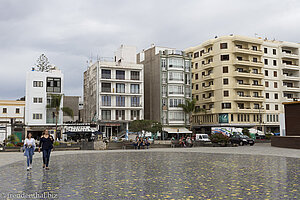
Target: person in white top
point(29, 146)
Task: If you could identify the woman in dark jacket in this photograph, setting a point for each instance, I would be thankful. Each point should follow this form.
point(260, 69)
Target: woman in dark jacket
point(46, 143)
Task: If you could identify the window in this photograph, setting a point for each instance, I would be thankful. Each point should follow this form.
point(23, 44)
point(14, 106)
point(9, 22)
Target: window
point(255, 94)
point(266, 73)
point(106, 87)
point(267, 83)
point(240, 93)
point(106, 114)
point(135, 114)
point(176, 116)
point(54, 85)
point(256, 106)
point(197, 97)
point(197, 87)
point(135, 101)
point(267, 107)
point(255, 71)
point(275, 62)
point(223, 46)
point(225, 69)
point(175, 102)
point(37, 116)
point(276, 108)
point(226, 93)
point(37, 100)
point(196, 76)
point(163, 64)
point(120, 101)
point(134, 88)
point(254, 59)
point(266, 61)
point(17, 110)
point(267, 95)
point(177, 76)
point(240, 81)
point(120, 74)
point(105, 74)
point(196, 65)
point(265, 50)
point(274, 51)
point(176, 63)
point(275, 85)
point(275, 73)
point(175, 89)
point(106, 100)
point(226, 105)
point(276, 96)
point(37, 83)
point(120, 87)
point(134, 75)
point(232, 117)
point(255, 82)
point(225, 81)
point(4, 110)
point(239, 58)
point(196, 54)
point(240, 105)
point(224, 57)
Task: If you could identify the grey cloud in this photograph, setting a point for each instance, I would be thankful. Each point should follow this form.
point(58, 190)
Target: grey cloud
point(70, 31)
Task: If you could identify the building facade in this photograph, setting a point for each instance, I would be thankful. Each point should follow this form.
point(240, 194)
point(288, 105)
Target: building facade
point(41, 82)
point(113, 92)
point(11, 119)
point(242, 81)
point(73, 103)
point(167, 74)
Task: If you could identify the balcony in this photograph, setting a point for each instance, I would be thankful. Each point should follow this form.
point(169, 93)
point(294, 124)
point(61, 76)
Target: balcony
point(208, 88)
point(208, 77)
point(248, 74)
point(257, 87)
point(289, 99)
point(289, 55)
point(177, 80)
point(248, 63)
point(246, 86)
point(207, 66)
point(208, 99)
point(207, 54)
point(248, 51)
point(291, 78)
point(290, 88)
point(249, 98)
point(290, 66)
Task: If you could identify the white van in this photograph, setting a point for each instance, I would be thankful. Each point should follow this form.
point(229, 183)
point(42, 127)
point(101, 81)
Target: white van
point(202, 137)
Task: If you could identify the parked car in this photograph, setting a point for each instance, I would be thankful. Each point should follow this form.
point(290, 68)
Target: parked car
point(241, 140)
point(202, 137)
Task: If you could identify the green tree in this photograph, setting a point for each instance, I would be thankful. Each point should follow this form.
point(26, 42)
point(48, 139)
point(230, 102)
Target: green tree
point(145, 125)
point(55, 104)
point(189, 108)
point(246, 132)
point(12, 138)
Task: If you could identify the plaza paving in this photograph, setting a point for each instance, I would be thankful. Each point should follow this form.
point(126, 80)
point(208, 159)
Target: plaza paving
point(258, 172)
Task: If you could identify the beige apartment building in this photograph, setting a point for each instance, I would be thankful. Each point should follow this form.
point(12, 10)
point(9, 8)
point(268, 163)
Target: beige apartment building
point(243, 81)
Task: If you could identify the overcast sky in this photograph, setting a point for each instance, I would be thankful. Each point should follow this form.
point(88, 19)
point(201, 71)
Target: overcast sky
point(70, 31)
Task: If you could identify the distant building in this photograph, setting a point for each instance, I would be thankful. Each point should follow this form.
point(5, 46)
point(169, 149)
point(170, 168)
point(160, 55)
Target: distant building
point(42, 81)
point(167, 73)
point(113, 92)
point(11, 114)
point(73, 103)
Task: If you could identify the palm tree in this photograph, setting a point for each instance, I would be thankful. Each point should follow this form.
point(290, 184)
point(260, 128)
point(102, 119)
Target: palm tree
point(189, 108)
point(55, 104)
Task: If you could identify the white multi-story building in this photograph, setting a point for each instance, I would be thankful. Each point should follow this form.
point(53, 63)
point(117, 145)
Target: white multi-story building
point(11, 112)
point(113, 92)
point(167, 84)
point(42, 81)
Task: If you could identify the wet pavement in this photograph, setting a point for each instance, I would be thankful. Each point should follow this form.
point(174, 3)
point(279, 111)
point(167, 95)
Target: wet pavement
point(155, 175)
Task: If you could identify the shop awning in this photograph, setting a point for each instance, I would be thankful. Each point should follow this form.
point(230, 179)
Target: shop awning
point(177, 130)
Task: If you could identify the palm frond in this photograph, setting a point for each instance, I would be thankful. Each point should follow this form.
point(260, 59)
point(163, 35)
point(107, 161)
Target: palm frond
point(68, 111)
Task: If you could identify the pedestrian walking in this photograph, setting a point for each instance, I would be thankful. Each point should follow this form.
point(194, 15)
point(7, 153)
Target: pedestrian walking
point(46, 143)
point(29, 147)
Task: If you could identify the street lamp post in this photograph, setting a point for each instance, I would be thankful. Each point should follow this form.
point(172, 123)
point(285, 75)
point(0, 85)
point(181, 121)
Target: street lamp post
point(260, 118)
